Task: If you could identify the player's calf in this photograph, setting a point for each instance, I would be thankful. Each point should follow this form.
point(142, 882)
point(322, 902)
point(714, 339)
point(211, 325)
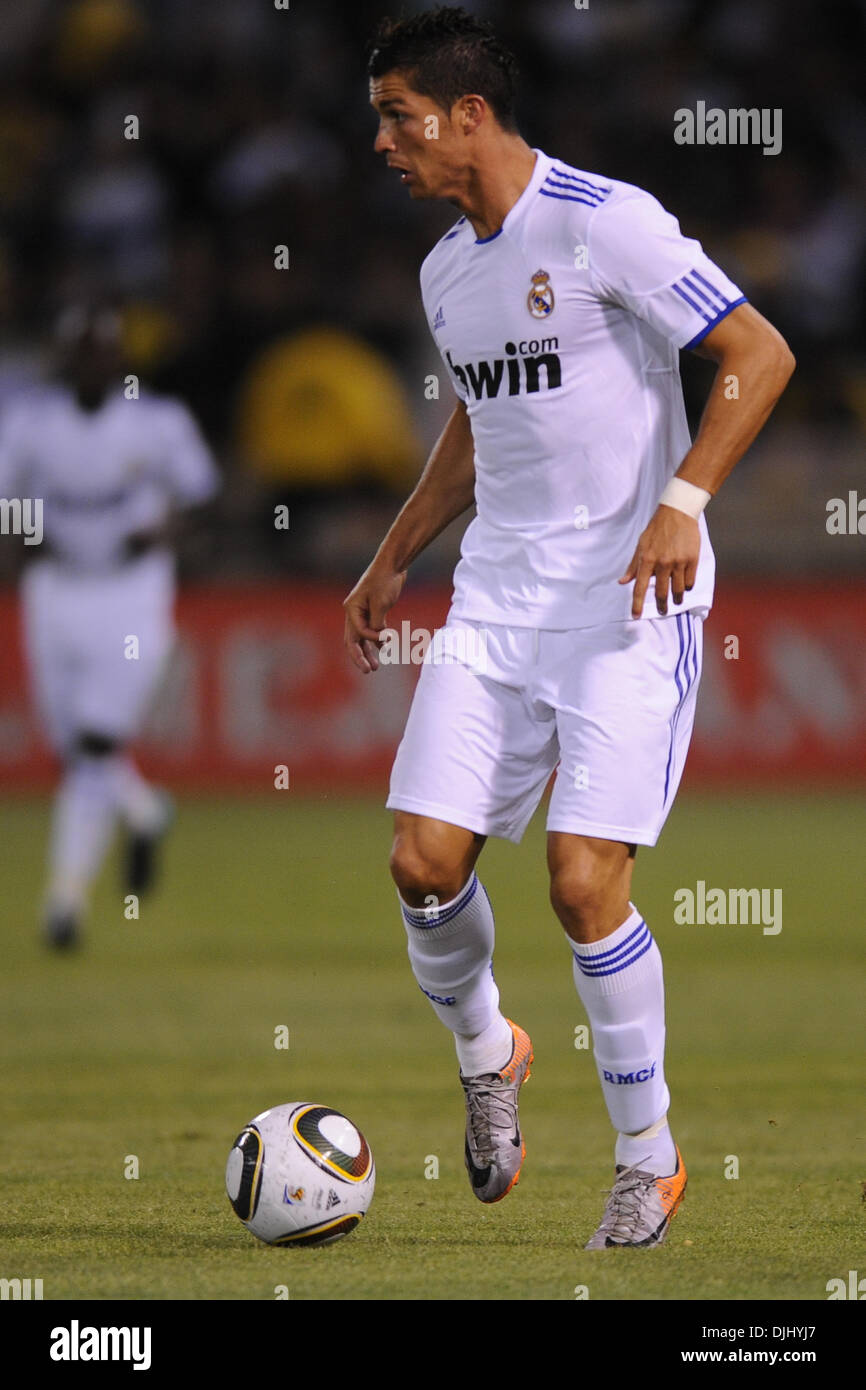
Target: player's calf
point(590, 880)
point(451, 952)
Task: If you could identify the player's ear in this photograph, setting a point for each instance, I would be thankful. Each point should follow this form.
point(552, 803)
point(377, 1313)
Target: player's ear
point(471, 113)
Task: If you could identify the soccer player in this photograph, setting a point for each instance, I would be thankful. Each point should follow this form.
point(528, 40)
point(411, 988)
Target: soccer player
point(560, 301)
point(110, 474)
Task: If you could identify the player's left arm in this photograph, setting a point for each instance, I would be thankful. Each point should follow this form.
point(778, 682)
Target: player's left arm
point(744, 346)
point(181, 524)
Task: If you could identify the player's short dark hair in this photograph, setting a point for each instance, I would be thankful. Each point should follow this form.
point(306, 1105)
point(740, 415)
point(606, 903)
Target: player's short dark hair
point(446, 54)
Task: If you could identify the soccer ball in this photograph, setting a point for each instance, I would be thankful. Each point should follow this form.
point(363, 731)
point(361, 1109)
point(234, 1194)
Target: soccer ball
point(300, 1174)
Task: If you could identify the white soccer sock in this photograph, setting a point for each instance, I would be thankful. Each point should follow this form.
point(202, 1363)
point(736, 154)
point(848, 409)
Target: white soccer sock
point(140, 804)
point(620, 982)
point(652, 1150)
point(83, 821)
point(451, 953)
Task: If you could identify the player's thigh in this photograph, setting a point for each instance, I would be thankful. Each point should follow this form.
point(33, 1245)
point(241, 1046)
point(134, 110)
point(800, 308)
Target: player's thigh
point(473, 755)
point(50, 667)
point(123, 655)
point(625, 699)
point(114, 693)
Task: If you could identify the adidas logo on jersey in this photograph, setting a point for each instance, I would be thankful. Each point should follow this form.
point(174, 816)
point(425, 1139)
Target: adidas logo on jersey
point(521, 367)
point(439, 321)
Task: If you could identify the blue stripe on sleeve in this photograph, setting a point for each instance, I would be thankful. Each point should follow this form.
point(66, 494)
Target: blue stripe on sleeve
point(710, 326)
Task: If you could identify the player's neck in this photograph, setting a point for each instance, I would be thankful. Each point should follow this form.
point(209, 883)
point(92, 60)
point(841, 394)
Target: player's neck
point(90, 398)
point(494, 186)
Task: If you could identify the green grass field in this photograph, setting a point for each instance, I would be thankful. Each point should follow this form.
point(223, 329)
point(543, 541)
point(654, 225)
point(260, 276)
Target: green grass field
point(157, 1041)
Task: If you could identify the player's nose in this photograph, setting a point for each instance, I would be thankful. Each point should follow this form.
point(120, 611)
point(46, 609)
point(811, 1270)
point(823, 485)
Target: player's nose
point(383, 142)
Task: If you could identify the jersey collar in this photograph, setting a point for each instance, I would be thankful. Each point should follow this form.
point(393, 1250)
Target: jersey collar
point(543, 164)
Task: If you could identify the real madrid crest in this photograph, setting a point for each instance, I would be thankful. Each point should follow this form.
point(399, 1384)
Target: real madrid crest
point(540, 299)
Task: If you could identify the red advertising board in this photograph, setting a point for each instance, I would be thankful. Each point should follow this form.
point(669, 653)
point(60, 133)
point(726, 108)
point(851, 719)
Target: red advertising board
point(259, 679)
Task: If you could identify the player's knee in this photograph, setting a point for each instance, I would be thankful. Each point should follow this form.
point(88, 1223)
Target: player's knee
point(579, 895)
point(421, 871)
point(95, 745)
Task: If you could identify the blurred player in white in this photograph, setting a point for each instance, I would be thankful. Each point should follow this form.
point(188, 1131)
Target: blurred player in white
point(113, 475)
point(559, 301)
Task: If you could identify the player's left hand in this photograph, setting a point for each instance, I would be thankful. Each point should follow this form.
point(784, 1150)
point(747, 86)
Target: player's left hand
point(140, 542)
point(668, 550)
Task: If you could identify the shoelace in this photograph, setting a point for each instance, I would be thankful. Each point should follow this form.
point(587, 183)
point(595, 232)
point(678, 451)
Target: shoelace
point(489, 1110)
point(623, 1210)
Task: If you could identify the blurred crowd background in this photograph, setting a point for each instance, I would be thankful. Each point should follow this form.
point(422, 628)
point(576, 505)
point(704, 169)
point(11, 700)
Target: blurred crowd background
point(254, 131)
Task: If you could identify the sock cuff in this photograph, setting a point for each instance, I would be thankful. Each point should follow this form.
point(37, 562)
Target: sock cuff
point(610, 960)
point(594, 952)
point(441, 919)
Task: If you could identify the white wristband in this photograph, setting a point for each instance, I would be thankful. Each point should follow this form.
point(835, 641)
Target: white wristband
point(685, 497)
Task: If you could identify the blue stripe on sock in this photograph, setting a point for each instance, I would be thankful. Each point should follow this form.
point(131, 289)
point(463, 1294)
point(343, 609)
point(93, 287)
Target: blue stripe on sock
point(432, 917)
point(614, 969)
point(617, 962)
point(600, 956)
point(618, 957)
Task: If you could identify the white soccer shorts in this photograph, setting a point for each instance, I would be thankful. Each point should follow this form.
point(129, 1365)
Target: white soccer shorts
point(86, 675)
point(497, 709)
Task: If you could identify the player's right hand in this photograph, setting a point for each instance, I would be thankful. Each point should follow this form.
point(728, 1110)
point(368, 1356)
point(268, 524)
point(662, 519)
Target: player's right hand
point(366, 609)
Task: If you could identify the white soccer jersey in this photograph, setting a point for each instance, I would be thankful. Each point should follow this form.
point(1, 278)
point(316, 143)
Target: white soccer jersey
point(561, 332)
point(105, 474)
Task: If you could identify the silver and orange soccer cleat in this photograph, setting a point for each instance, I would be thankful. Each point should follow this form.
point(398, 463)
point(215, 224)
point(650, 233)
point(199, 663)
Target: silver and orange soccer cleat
point(640, 1208)
point(494, 1146)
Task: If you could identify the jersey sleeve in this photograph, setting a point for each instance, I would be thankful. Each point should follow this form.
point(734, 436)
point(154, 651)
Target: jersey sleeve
point(639, 259)
point(455, 375)
point(191, 473)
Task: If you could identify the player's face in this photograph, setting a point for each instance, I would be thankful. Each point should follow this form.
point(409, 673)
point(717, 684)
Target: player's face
point(417, 137)
point(91, 363)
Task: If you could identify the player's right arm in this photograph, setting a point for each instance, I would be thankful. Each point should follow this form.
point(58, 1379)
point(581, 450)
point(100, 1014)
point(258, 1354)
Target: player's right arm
point(445, 490)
